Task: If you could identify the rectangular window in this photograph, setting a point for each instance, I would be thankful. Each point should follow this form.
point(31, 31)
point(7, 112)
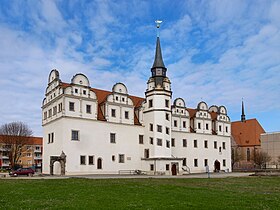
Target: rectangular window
point(113, 112)
point(159, 142)
point(185, 162)
point(50, 113)
point(88, 107)
point(60, 107)
point(146, 153)
point(151, 167)
point(224, 162)
point(205, 144)
point(52, 137)
point(150, 103)
point(195, 163)
point(121, 158)
point(175, 123)
point(224, 145)
point(141, 139)
point(226, 129)
point(184, 124)
point(215, 145)
point(151, 127)
point(126, 115)
point(45, 115)
point(195, 143)
point(166, 103)
point(76, 90)
point(184, 142)
point(71, 106)
point(167, 130)
point(167, 167)
point(75, 135)
point(49, 138)
point(167, 143)
point(54, 110)
point(199, 125)
point(83, 160)
point(84, 92)
point(113, 138)
point(159, 128)
point(220, 128)
point(167, 116)
point(172, 142)
point(151, 140)
point(205, 162)
point(91, 160)
point(207, 126)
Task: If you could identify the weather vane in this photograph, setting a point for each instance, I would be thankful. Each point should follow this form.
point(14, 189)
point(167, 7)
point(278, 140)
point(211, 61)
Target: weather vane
point(158, 22)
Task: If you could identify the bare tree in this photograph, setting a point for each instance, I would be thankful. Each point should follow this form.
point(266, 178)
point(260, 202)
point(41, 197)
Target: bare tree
point(261, 158)
point(236, 156)
point(15, 137)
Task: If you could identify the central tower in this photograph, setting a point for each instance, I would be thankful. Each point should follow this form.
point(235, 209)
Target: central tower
point(157, 112)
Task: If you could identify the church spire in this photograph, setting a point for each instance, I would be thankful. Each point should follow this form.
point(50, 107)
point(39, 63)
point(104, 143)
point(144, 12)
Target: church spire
point(158, 62)
point(243, 113)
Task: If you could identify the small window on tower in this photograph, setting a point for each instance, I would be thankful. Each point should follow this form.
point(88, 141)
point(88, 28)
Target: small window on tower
point(166, 103)
point(150, 103)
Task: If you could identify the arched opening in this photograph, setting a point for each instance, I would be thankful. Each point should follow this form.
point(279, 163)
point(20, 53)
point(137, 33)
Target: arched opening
point(248, 154)
point(217, 166)
point(56, 168)
point(56, 163)
point(99, 163)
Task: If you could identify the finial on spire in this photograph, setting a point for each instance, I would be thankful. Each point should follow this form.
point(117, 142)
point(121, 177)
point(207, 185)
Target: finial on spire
point(158, 22)
point(243, 112)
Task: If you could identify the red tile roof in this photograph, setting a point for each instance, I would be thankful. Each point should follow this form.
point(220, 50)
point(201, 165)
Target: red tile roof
point(247, 133)
point(101, 98)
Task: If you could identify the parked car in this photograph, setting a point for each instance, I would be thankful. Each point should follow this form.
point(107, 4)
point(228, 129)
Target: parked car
point(22, 171)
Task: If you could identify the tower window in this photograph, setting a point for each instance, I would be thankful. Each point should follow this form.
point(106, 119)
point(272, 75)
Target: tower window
point(195, 143)
point(215, 145)
point(184, 124)
point(224, 145)
point(175, 123)
point(76, 90)
point(141, 139)
point(159, 128)
point(151, 140)
point(207, 126)
point(159, 142)
point(150, 103)
point(167, 116)
point(172, 142)
point(167, 130)
point(166, 103)
point(184, 142)
point(167, 143)
point(151, 127)
point(205, 144)
point(199, 125)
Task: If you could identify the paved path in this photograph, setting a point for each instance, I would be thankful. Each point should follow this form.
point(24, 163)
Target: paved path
point(116, 176)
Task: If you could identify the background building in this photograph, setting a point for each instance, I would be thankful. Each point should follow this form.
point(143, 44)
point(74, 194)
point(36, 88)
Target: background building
point(270, 143)
point(31, 153)
point(246, 140)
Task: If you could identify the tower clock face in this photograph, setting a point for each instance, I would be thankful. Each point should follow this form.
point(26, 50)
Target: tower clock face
point(158, 71)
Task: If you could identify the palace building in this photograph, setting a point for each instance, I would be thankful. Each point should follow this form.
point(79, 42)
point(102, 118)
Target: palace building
point(92, 131)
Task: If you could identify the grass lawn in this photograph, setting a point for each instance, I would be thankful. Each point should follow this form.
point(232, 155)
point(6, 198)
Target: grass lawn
point(227, 193)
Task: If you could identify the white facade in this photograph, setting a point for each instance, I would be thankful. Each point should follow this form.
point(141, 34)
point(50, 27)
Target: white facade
point(110, 131)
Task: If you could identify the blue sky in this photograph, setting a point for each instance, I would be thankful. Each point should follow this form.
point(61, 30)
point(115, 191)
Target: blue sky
point(217, 51)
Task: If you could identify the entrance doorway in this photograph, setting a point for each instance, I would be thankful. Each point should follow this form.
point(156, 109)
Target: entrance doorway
point(99, 163)
point(61, 159)
point(217, 166)
point(174, 169)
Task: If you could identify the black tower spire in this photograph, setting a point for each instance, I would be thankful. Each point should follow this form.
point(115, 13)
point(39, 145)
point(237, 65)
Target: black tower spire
point(158, 69)
point(243, 113)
